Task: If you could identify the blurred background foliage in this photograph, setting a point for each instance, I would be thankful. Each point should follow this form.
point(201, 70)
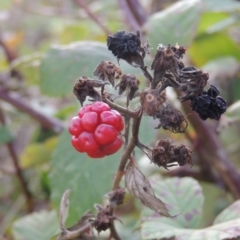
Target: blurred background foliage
point(45, 45)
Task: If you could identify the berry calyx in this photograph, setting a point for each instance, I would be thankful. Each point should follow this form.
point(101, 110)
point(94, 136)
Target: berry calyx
point(96, 130)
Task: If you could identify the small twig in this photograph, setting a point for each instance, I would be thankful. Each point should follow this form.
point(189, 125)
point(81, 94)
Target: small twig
point(15, 100)
point(67, 235)
point(120, 109)
point(147, 74)
point(82, 4)
point(22, 180)
point(114, 233)
point(128, 150)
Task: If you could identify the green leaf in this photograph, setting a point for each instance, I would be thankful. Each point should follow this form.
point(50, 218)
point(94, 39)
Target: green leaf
point(88, 179)
point(39, 225)
point(176, 24)
point(62, 65)
point(185, 194)
point(208, 47)
point(37, 153)
point(230, 213)
point(183, 197)
point(221, 6)
point(210, 18)
point(29, 67)
point(158, 230)
point(5, 135)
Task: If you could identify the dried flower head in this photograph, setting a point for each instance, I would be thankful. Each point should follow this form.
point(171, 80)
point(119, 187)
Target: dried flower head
point(126, 46)
point(151, 101)
point(84, 87)
point(171, 119)
point(166, 61)
point(116, 197)
point(181, 154)
point(128, 83)
point(160, 153)
point(193, 82)
point(107, 71)
point(209, 104)
point(166, 155)
point(104, 218)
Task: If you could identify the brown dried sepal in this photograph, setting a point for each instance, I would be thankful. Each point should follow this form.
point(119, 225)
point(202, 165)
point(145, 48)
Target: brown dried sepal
point(166, 155)
point(166, 60)
point(116, 197)
point(182, 155)
point(193, 83)
point(128, 83)
point(107, 71)
point(151, 101)
point(160, 153)
point(84, 87)
point(171, 119)
point(104, 218)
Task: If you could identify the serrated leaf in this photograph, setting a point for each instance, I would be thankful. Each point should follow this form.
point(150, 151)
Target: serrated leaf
point(183, 197)
point(5, 135)
point(139, 187)
point(39, 225)
point(63, 64)
point(176, 24)
point(230, 213)
point(88, 179)
point(158, 230)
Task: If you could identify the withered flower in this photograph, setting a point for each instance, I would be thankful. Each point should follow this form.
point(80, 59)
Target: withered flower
point(193, 82)
point(171, 119)
point(104, 218)
point(116, 197)
point(126, 46)
point(84, 87)
point(151, 101)
point(129, 83)
point(181, 154)
point(107, 71)
point(164, 61)
point(161, 153)
point(166, 155)
point(167, 61)
point(209, 104)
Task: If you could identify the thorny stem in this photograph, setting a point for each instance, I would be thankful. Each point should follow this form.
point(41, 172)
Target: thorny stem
point(16, 101)
point(82, 4)
point(22, 180)
point(128, 150)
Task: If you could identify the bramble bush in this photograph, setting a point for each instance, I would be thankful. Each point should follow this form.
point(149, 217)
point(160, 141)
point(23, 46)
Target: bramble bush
point(139, 142)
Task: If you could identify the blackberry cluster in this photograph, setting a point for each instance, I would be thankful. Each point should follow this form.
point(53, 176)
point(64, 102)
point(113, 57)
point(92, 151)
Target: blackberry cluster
point(209, 104)
point(123, 44)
